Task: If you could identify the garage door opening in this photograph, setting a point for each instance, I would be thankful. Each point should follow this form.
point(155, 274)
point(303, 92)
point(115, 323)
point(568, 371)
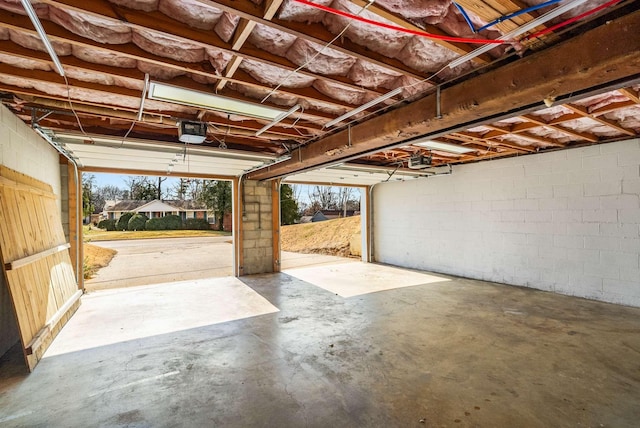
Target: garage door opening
point(320, 224)
point(159, 229)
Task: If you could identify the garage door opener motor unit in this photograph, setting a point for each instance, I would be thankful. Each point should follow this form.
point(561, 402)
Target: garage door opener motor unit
point(192, 132)
point(419, 162)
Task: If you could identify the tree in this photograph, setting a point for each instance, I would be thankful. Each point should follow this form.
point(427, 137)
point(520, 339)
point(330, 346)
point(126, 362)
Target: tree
point(88, 181)
point(216, 195)
point(324, 197)
point(141, 188)
point(288, 206)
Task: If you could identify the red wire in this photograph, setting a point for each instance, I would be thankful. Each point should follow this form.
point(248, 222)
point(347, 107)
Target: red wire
point(574, 19)
point(397, 28)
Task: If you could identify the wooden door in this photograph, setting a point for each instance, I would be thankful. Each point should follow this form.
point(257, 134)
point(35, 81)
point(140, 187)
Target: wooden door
point(35, 261)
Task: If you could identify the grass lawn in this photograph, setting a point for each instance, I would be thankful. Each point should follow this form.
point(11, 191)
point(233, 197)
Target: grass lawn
point(95, 234)
point(95, 258)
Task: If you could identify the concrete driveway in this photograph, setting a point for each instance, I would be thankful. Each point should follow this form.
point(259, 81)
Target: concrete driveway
point(153, 261)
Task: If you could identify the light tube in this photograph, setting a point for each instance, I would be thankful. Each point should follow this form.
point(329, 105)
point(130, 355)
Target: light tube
point(280, 118)
point(451, 148)
point(189, 97)
point(363, 107)
point(43, 36)
point(518, 31)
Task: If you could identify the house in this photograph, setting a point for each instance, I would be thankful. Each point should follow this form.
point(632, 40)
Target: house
point(113, 210)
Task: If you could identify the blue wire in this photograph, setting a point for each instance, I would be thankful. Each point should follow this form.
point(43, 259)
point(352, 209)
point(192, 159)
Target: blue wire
point(514, 14)
point(465, 16)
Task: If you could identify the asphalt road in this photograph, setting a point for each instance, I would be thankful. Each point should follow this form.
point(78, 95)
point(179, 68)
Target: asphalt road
point(153, 261)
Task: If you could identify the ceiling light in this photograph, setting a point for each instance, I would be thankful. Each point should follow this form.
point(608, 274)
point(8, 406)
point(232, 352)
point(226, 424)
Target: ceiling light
point(363, 107)
point(43, 36)
point(280, 118)
point(174, 94)
point(451, 148)
point(518, 31)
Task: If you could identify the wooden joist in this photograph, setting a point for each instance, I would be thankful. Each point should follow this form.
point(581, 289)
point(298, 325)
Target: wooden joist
point(16, 264)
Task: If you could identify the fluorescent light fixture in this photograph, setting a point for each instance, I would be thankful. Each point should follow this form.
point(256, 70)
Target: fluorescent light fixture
point(280, 118)
point(175, 94)
point(451, 148)
point(363, 107)
point(43, 36)
point(518, 31)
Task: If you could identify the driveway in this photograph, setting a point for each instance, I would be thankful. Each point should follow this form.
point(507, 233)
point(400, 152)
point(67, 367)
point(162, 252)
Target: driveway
point(153, 261)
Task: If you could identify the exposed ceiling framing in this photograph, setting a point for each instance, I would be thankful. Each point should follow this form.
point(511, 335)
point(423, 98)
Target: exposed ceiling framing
point(573, 86)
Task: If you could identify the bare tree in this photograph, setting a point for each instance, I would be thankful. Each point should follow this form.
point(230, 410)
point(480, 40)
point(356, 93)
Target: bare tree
point(324, 197)
point(344, 194)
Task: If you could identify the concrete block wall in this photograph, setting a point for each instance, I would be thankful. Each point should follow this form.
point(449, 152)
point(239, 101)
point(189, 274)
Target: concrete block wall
point(566, 221)
point(23, 150)
point(257, 228)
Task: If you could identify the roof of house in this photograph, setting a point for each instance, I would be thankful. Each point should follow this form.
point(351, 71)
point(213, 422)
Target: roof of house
point(177, 205)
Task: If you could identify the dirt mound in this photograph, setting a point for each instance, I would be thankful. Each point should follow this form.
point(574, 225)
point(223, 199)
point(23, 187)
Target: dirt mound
point(331, 237)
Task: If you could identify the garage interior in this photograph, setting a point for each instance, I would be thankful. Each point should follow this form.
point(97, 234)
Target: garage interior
point(498, 145)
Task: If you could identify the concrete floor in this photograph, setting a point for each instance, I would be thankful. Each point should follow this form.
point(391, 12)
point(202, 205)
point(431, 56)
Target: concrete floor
point(450, 353)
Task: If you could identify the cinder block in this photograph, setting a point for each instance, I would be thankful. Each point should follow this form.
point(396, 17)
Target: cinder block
point(620, 230)
point(556, 203)
point(623, 288)
point(620, 146)
point(631, 274)
point(558, 178)
point(583, 229)
point(619, 258)
point(629, 158)
point(540, 240)
point(602, 243)
point(582, 152)
point(631, 186)
point(568, 191)
point(603, 188)
point(567, 216)
point(629, 215)
point(526, 204)
point(538, 216)
point(502, 205)
point(568, 241)
point(512, 216)
point(609, 160)
point(537, 168)
point(540, 192)
point(565, 165)
point(620, 202)
point(584, 203)
point(602, 270)
point(249, 235)
point(583, 255)
point(600, 216)
point(630, 245)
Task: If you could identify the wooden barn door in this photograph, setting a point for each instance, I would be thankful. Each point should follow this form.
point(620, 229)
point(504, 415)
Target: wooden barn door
point(35, 261)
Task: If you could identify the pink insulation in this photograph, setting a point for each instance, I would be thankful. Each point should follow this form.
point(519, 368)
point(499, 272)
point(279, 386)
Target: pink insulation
point(226, 26)
point(159, 71)
point(417, 9)
point(628, 118)
point(323, 61)
point(590, 126)
point(293, 11)
point(551, 134)
point(167, 46)
point(323, 107)
point(522, 141)
point(192, 12)
point(426, 56)
point(381, 40)
point(218, 59)
point(505, 123)
point(98, 56)
point(271, 40)
point(144, 5)
point(411, 86)
point(205, 80)
point(24, 63)
point(273, 76)
point(602, 100)
point(4, 33)
point(551, 113)
point(32, 41)
point(368, 75)
point(343, 93)
point(15, 6)
point(259, 93)
point(92, 27)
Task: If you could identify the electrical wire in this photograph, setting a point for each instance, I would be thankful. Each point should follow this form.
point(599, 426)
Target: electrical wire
point(73, 110)
point(571, 20)
point(329, 43)
point(397, 28)
point(518, 13)
point(465, 16)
